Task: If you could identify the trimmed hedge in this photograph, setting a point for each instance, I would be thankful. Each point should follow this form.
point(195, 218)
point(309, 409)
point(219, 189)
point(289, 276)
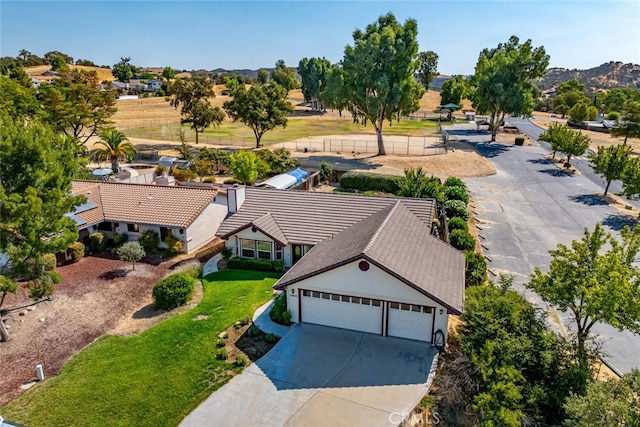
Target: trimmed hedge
point(454, 181)
point(475, 269)
point(149, 240)
point(456, 193)
point(237, 263)
point(457, 223)
point(98, 242)
point(456, 208)
point(279, 312)
point(173, 291)
point(519, 140)
point(462, 240)
point(363, 181)
point(76, 251)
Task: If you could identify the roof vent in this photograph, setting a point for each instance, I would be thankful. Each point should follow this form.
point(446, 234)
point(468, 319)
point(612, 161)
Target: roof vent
point(149, 197)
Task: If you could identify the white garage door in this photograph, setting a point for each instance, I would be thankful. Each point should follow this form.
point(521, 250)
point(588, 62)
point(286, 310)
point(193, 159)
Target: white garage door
point(410, 321)
point(340, 311)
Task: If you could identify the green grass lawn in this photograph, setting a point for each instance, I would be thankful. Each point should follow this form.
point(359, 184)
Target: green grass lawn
point(296, 128)
point(151, 379)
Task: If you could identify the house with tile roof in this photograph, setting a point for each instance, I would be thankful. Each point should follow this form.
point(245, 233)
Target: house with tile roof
point(370, 264)
point(189, 214)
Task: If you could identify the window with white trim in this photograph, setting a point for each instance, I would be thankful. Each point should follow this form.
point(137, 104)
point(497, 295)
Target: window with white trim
point(264, 250)
point(247, 248)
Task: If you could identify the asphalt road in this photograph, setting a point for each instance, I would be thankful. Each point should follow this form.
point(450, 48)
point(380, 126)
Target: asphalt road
point(525, 210)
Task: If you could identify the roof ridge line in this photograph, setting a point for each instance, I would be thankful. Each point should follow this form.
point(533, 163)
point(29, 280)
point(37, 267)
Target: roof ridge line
point(384, 222)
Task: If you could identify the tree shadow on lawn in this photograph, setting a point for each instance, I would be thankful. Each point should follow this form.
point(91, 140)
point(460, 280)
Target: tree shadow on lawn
point(589, 200)
point(618, 221)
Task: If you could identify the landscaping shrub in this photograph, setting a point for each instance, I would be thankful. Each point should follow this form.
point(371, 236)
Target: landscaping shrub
point(462, 240)
point(370, 182)
point(457, 223)
point(519, 140)
point(325, 171)
point(475, 268)
point(271, 338)
point(173, 291)
point(614, 115)
point(221, 343)
point(231, 181)
point(76, 251)
point(222, 354)
point(184, 174)
point(286, 318)
point(119, 239)
point(277, 313)
point(253, 331)
point(238, 263)
point(174, 245)
point(241, 360)
point(49, 262)
point(149, 240)
point(456, 208)
point(226, 253)
point(454, 181)
point(98, 242)
point(210, 180)
point(456, 193)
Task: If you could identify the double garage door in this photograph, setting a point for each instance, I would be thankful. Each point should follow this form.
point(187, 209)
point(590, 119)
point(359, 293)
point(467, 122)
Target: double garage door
point(367, 315)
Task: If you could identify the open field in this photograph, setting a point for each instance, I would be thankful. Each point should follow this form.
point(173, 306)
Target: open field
point(154, 378)
point(103, 73)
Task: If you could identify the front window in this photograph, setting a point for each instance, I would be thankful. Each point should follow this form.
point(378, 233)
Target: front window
point(133, 228)
point(247, 248)
point(264, 250)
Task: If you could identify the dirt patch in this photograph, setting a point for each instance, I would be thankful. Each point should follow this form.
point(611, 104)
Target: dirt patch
point(246, 339)
point(97, 296)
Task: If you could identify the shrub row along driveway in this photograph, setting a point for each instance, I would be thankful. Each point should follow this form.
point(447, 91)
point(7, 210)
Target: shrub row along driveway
point(530, 206)
point(323, 376)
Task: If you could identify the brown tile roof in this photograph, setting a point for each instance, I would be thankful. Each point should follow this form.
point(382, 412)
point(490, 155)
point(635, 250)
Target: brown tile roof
point(143, 204)
point(395, 240)
point(304, 217)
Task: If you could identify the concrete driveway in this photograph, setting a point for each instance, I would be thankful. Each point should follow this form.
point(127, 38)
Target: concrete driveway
point(319, 376)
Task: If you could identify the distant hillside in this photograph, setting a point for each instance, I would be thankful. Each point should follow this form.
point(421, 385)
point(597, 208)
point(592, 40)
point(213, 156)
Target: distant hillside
point(103, 73)
point(606, 76)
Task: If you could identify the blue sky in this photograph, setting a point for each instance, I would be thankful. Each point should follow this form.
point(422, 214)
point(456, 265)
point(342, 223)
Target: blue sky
point(253, 34)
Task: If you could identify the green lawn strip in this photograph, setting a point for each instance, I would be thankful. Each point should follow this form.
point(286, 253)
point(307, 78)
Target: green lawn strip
point(296, 129)
point(151, 379)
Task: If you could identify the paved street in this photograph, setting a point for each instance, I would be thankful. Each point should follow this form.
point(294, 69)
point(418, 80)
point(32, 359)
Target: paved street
point(529, 207)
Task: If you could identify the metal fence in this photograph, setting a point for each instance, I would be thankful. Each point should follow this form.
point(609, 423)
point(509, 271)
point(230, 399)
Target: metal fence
point(169, 133)
point(411, 146)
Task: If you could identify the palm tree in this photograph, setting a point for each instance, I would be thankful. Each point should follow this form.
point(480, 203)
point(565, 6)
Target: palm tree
point(116, 146)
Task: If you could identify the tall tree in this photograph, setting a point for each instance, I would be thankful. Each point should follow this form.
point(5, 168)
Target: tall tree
point(35, 195)
point(333, 95)
point(566, 140)
point(77, 105)
point(454, 90)
point(618, 98)
point(263, 76)
point(610, 162)
point(314, 78)
point(262, 107)
point(16, 100)
point(629, 123)
point(594, 286)
point(284, 76)
point(168, 73)
point(582, 111)
point(246, 166)
point(378, 70)
point(123, 71)
point(631, 177)
point(113, 146)
point(503, 80)
point(192, 96)
point(54, 56)
point(428, 68)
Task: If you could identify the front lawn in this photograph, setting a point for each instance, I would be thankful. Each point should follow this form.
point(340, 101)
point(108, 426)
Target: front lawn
point(152, 379)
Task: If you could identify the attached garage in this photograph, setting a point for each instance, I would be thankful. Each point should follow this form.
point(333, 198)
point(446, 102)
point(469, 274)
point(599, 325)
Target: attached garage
point(341, 311)
point(411, 321)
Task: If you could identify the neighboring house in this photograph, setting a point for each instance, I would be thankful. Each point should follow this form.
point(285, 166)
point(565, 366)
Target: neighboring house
point(371, 264)
point(153, 85)
point(191, 215)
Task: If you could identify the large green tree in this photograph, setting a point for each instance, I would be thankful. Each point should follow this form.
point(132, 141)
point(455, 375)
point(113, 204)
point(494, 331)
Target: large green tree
point(502, 83)
point(113, 146)
point(17, 100)
point(454, 90)
point(192, 96)
point(610, 162)
point(284, 76)
point(333, 95)
point(378, 73)
point(594, 285)
point(35, 195)
point(261, 107)
point(631, 177)
point(629, 124)
point(246, 166)
point(428, 68)
point(618, 98)
point(313, 72)
point(77, 105)
point(582, 111)
point(123, 71)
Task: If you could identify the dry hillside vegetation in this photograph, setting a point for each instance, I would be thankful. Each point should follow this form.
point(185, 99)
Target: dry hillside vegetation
point(103, 73)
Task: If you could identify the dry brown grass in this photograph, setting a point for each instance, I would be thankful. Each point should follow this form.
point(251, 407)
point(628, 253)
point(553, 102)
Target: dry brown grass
point(103, 73)
point(431, 101)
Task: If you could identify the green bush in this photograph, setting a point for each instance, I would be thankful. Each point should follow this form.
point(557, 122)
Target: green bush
point(76, 251)
point(173, 291)
point(237, 263)
point(457, 223)
point(98, 242)
point(462, 240)
point(325, 171)
point(519, 140)
point(174, 245)
point(210, 180)
point(370, 182)
point(475, 269)
point(231, 181)
point(221, 343)
point(286, 317)
point(119, 239)
point(49, 262)
point(454, 181)
point(614, 115)
point(222, 354)
point(241, 360)
point(277, 313)
point(226, 253)
point(456, 208)
point(149, 240)
point(253, 331)
point(456, 193)
point(271, 338)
